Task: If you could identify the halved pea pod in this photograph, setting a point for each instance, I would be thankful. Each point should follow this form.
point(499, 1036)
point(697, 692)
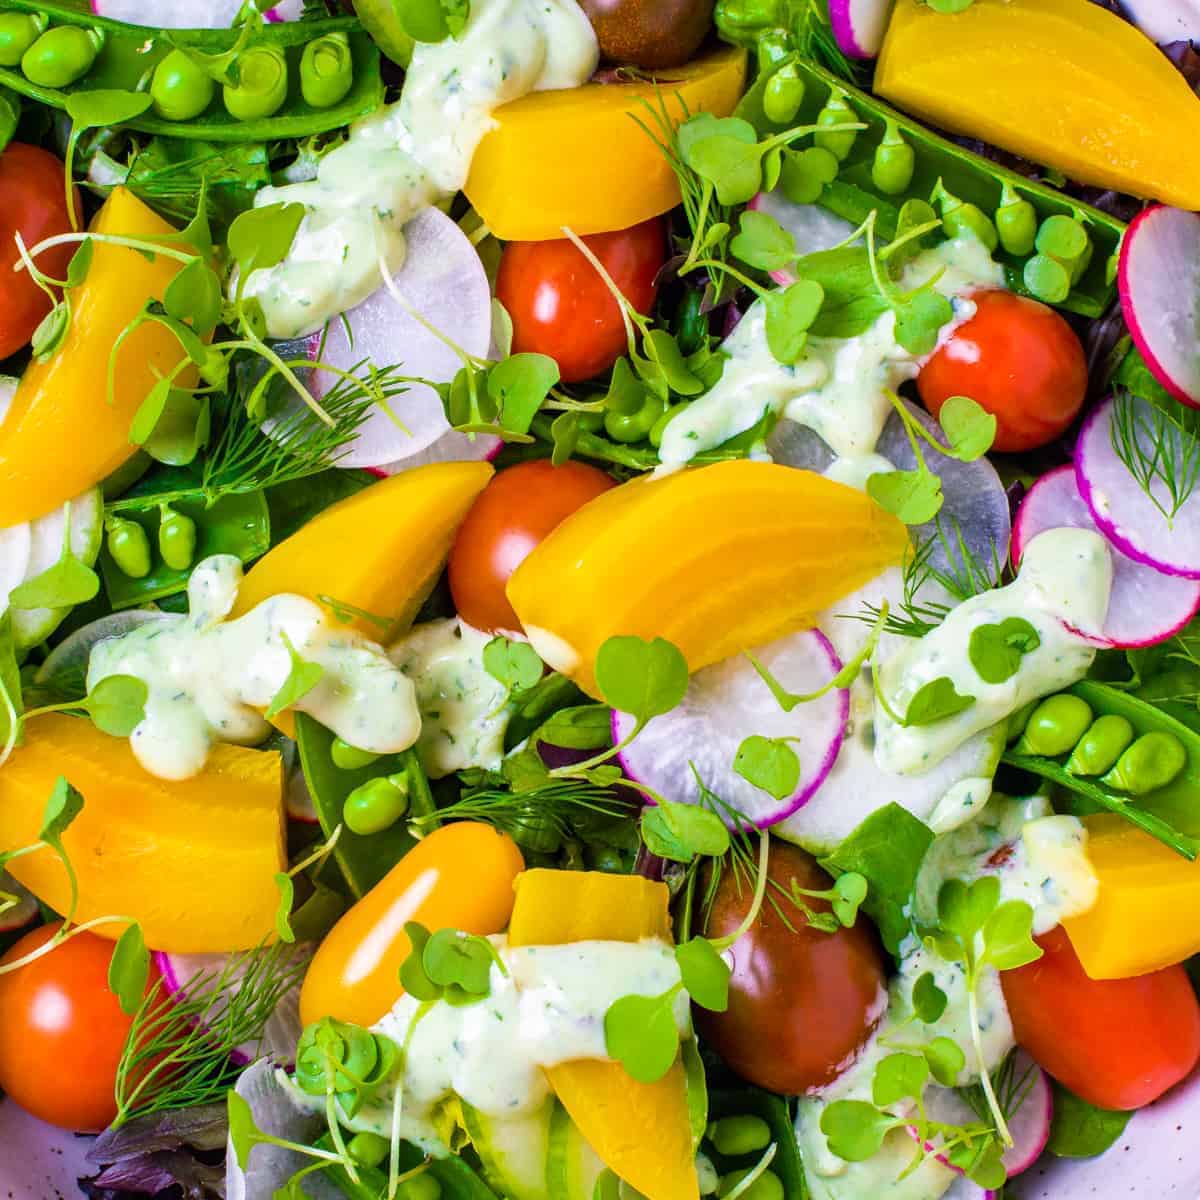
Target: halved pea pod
point(130, 53)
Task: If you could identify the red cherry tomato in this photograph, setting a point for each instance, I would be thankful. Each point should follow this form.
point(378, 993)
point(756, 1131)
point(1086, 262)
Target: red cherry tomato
point(561, 307)
point(62, 1031)
point(1019, 360)
point(801, 1001)
point(511, 516)
point(1118, 1043)
point(33, 203)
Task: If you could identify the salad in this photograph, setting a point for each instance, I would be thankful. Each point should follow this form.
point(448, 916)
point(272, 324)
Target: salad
point(598, 598)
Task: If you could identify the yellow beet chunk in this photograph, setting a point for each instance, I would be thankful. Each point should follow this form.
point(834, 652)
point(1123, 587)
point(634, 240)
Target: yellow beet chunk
point(642, 1131)
point(192, 862)
point(714, 559)
point(1143, 918)
point(579, 158)
point(60, 436)
point(1061, 82)
point(379, 551)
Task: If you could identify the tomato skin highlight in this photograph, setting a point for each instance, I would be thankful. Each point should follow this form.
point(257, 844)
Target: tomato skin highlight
point(1117, 1043)
point(561, 307)
point(516, 510)
point(33, 203)
point(1019, 360)
point(801, 1002)
point(62, 1031)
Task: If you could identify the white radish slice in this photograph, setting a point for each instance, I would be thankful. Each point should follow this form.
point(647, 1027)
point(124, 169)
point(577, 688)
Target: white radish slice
point(1158, 279)
point(283, 1027)
point(859, 25)
point(66, 665)
point(725, 704)
point(1165, 21)
point(188, 14)
point(1122, 510)
point(812, 227)
point(23, 912)
point(443, 281)
point(1146, 606)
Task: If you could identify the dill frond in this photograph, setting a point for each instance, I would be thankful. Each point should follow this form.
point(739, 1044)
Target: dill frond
point(1160, 448)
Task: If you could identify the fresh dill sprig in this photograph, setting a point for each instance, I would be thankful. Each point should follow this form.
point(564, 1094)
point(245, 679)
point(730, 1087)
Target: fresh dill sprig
point(1160, 448)
point(177, 1052)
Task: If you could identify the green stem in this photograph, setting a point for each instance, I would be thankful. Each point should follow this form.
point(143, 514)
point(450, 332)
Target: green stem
point(985, 1078)
point(760, 891)
point(108, 239)
point(711, 264)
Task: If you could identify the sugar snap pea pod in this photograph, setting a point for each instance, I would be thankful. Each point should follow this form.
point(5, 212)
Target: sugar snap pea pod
point(326, 70)
point(894, 163)
point(18, 31)
point(262, 84)
point(1153, 761)
point(1016, 223)
point(130, 56)
point(1100, 747)
point(61, 56)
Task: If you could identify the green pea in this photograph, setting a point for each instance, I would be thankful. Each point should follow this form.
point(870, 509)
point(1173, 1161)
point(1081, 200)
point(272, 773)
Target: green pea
point(180, 88)
point(368, 1148)
point(635, 426)
point(1055, 726)
point(605, 858)
point(326, 70)
point(961, 219)
point(1047, 279)
point(1099, 748)
point(176, 539)
point(735, 1136)
point(768, 1186)
point(805, 173)
point(1016, 223)
point(894, 163)
point(420, 1187)
point(1152, 762)
point(783, 95)
point(591, 422)
point(376, 805)
point(129, 547)
point(350, 758)
point(659, 427)
point(1018, 720)
point(18, 31)
point(837, 111)
point(61, 56)
point(262, 84)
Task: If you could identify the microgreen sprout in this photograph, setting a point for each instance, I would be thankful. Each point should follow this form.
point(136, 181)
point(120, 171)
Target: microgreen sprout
point(285, 882)
point(448, 965)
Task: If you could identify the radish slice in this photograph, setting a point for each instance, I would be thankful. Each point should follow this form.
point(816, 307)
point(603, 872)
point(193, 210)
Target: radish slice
point(1146, 606)
point(66, 665)
point(1159, 283)
point(812, 227)
point(1120, 507)
point(283, 1027)
point(18, 915)
point(188, 14)
point(859, 25)
point(444, 281)
point(1165, 20)
point(725, 704)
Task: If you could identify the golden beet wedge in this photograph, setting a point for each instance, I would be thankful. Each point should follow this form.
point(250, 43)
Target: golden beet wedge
point(715, 559)
point(193, 863)
point(1061, 82)
point(579, 158)
point(60, 436)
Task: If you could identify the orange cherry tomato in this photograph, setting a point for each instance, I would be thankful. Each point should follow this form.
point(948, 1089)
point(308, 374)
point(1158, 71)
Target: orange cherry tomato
point(1020, 361)
point(459, 877)
point(62, 1031)
point(559, 304)
point(516, 510)
point(33, 203)
point(1117, 1043)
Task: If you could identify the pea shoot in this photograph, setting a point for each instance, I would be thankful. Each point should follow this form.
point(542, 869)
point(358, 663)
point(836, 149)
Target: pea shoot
point(448, 965)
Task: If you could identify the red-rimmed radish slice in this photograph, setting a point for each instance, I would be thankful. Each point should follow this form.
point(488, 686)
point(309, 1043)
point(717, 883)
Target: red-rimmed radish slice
point(1146, 606)
point(444, 283)
point(188, 14)
point(859, 25)
point(1159, 283)
point(812, 227)
point(283, 1027)
point(1165, 21)
point(18, 905)
point(1120, 506)
point(727, 703)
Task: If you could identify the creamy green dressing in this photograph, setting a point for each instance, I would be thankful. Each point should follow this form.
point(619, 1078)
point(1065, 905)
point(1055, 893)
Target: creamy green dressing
point(839, 389)
point(413, 154)
point(210, 678)
point(464, 710)
point(1039, 858)
point(1063, 587)
point(549, 1009)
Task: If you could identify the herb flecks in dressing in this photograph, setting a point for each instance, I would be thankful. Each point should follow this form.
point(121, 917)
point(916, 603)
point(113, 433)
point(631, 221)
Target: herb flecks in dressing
point(210, 678)
point(839, 390)
point(1063, 588)
point(413, 154)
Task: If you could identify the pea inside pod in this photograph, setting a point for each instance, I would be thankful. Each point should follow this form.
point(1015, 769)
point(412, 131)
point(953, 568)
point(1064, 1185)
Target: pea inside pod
point(129, 546)
point(1100, 747)
point(894, 163)
point(180, 88)
point(1153, 761)
point(837, 111)
point(326, 70)
point(262, 84)
point(1055, 726)
point(18, 31)
point(176, 539)
point(61, 56)
point(960, 218)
